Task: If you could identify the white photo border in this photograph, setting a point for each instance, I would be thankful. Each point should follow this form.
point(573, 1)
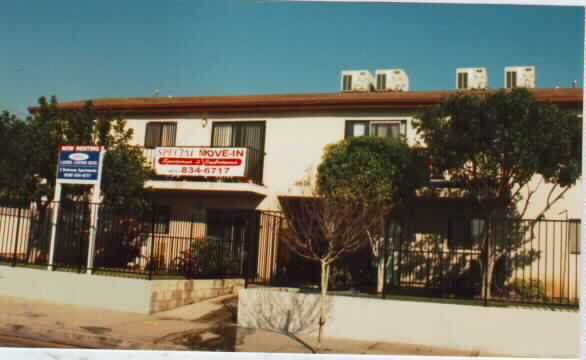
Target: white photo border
point(78, 354)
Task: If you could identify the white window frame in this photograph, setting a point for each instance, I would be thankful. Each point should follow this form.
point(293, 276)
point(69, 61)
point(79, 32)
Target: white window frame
point(402, 126)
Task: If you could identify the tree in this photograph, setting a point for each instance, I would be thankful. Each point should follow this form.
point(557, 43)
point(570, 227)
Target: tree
point(32, 146)
point(124, 170)
point(16, 176)
point(491, 146)
point(323, 229)
point(374, 172)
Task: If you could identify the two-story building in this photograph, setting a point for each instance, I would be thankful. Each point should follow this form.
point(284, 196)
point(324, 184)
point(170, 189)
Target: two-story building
point(220, 158)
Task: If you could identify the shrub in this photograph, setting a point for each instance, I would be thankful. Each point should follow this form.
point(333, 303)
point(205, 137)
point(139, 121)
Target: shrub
point(533, 289)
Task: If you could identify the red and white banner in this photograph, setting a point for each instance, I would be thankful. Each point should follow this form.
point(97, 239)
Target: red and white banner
point(200, 161)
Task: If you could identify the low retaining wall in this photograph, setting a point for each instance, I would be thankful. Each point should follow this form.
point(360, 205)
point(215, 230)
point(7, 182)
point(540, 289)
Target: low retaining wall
point(107, 292)
point(170, 294)
point(506, 331)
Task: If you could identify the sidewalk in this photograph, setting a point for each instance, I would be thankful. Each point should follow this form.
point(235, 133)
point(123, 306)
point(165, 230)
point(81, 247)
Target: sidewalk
point(98, 328)
point(208, 325)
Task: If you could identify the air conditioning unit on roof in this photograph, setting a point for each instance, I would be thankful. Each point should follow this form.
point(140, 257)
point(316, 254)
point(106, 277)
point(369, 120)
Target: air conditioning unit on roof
point(519, 77)
point(357, 80)
point(471, 79)
point(392, 80)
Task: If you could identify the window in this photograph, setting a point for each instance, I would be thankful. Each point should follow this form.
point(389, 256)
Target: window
point(574, 236)
point(243, 134)
point(160, 134)
point(465, 232)
point(462, 80)
point(387, 128)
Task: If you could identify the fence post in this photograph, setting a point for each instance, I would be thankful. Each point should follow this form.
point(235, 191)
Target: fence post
point(244, 241)
point(82, 236)
point(54, 219)
point(94, 213)
point(220, 251)
point(486, 259)
point(16, 237)
point(150, 262)
point(190, 268)
point(386, 225)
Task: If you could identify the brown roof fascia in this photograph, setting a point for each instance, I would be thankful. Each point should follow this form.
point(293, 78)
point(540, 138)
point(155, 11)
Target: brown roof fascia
point(300, 102)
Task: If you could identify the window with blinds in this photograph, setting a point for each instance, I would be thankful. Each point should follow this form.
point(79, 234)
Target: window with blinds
point(239, 134)
point(160, 134)
point(243, 134)
point(392, 129)
point(386, 128)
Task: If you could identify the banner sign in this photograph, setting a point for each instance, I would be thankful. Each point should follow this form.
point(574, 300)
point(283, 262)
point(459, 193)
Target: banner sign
point(194, 161)
point(79, 164)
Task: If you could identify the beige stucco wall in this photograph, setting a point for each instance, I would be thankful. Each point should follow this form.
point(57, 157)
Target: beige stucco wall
point(567, 207)
point(294, 145)
point(113, 293)
point(190, 131)
point(504, 331)
point(108, 292)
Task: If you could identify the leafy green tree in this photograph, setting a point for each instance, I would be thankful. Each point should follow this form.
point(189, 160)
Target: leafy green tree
point(492, 145)
point(375, 172)
point(124, 171)
point(16, 176)
point(32, 147)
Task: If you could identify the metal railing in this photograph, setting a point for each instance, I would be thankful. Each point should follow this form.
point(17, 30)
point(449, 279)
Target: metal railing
point(511, 260)
point(521, 261)
point(147, 243)
point(528, 261)
point(253, 168)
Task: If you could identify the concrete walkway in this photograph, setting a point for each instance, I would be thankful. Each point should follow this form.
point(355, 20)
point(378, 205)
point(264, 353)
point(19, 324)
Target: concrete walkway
point(208, 325)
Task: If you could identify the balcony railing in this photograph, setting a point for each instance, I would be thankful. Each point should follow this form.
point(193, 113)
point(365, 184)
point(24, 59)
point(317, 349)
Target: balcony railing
point(253, 167)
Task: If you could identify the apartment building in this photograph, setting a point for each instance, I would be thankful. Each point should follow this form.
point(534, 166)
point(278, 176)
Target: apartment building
point(219, 159)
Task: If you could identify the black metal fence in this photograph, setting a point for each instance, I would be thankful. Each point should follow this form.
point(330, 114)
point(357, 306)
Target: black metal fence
point(23, 237)
point(521, 261)
point(150, 242)
point(530, 261)
point(526, 261)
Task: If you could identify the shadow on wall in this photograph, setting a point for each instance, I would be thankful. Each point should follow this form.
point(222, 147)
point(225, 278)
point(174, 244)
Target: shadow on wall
point(281, 311)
